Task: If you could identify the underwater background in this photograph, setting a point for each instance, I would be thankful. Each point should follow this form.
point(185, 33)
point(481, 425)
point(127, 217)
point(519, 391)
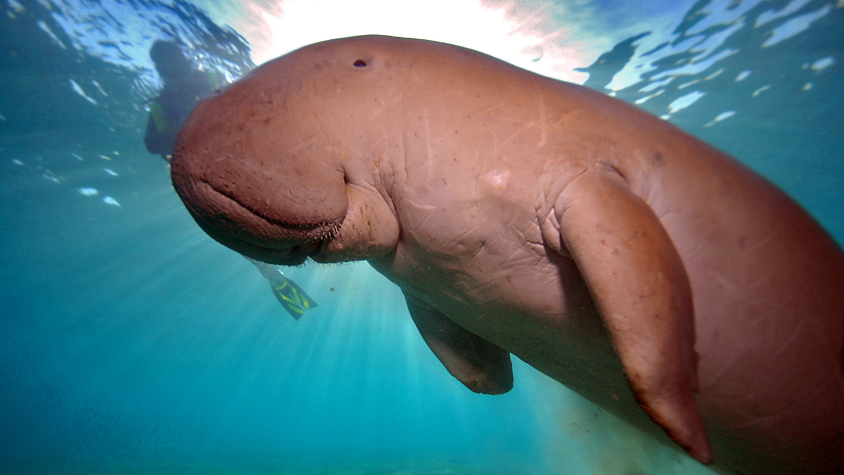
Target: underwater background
point(130, 342)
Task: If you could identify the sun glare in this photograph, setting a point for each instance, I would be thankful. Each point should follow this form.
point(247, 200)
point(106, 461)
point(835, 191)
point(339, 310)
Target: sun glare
point(526, 35)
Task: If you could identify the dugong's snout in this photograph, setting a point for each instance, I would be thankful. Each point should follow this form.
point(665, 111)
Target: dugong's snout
point(277, 184)
point(249, 195)
point(233, 223)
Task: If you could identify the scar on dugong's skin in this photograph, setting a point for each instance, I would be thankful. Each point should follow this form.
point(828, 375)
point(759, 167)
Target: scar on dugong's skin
point(643, 269)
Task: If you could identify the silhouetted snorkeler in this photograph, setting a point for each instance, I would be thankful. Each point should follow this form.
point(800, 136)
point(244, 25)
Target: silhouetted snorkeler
point(184, 87)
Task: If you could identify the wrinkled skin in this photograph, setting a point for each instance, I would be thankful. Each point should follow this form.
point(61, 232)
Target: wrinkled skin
point(643, 269)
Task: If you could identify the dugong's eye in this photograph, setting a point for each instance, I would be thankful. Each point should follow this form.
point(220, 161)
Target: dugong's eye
point(360, 63)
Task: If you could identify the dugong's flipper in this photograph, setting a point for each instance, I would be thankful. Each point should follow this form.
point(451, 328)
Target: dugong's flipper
point(642, 291)
point(475, 362)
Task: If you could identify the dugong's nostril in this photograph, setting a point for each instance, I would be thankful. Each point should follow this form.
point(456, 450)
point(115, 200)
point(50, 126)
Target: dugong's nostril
point(360, 63)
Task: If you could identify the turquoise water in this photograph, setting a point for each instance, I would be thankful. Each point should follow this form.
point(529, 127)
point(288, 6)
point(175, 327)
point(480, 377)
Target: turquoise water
point(130, 342)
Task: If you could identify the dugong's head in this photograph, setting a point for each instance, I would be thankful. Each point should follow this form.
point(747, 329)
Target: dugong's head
point(271, 167)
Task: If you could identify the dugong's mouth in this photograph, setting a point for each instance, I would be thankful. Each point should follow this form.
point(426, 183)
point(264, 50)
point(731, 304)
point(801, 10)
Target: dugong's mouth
point(237, 225)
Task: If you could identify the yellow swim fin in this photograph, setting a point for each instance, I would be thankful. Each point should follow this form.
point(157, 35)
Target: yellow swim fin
point(290, 295)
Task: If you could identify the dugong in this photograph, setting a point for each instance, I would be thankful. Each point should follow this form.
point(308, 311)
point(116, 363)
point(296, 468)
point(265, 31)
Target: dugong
point(643, 269)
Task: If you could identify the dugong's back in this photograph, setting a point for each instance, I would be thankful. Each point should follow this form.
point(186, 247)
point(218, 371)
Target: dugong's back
point(767, 280)
point(768, 287)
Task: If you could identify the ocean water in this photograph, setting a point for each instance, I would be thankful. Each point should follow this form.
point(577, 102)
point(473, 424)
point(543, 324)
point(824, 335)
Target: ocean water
point(132, 343)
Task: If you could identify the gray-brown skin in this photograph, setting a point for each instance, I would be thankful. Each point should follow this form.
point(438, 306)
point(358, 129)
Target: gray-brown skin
point(638, 266)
